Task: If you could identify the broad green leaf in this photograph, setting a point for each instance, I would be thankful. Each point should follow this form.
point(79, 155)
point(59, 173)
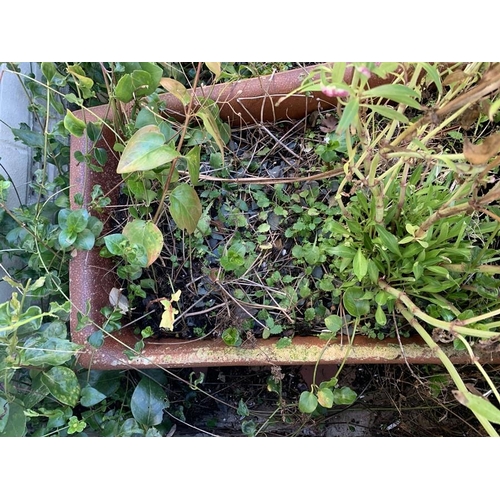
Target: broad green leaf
point(76, 220)
point(325, 397)
point(106, 382)
point(146, 150)
point(37, 392)
point(307, 402)
point(96, 339)
point(380, 317)
point(390, 113)
point(341, 251)
point(101, 156)
point(67, 238)
point(349, 116)
point(80, 77)
point(360, 265)
point(53, 351)
point(130, 428)
point(48, 70)
point(115, 243)
point(91, 396)
point(193, 163)
point(395, 92)
point(85, 240)
point(74, 125)
point(28, 137)
point(176, 89)
point(155, 74)
point(136, 84)
point(147, 234)
point(344, 396)
point(355, 305)
point(29, 321)
point(333, 323)
point(479, 405)
point(16, 424)
point(185, 207)
point(62, 384)
point(210, 124)
point(388, 240)
point(94, 131)
point(438, 270)
point(148, 402)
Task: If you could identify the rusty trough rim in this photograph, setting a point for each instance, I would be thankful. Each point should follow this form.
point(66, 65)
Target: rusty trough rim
point(91, 276)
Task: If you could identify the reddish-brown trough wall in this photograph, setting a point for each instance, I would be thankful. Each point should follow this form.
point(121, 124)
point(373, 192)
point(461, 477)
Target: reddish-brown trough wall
point(92, 277)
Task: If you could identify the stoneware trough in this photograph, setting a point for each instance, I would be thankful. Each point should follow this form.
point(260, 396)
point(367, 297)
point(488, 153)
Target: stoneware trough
point(92, 277)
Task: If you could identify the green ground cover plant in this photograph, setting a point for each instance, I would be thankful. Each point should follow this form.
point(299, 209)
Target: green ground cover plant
point(377, 218)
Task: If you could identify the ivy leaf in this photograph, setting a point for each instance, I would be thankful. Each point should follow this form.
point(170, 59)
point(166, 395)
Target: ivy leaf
point(138, 83)
point(146, 150)
point(73, 125)
point(62, 384)
point(53, 351)
point(148, 402)
point(91, 396)
point(16, 424)
point(185, 207)
point(49, 70)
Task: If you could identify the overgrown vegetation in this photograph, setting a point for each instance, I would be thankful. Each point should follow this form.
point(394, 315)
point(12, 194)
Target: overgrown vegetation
point(377, 218)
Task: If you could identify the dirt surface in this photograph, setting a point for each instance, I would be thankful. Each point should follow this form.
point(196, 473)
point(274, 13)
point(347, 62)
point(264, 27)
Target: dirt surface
point(392, 401)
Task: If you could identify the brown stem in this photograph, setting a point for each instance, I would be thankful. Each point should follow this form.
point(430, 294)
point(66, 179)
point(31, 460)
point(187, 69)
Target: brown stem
point(179, 146)
point(488, 84)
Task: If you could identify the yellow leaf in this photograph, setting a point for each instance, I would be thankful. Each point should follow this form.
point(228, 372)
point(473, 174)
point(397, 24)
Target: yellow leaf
point(176, 88)
point(168, 316)
point(215, 68)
